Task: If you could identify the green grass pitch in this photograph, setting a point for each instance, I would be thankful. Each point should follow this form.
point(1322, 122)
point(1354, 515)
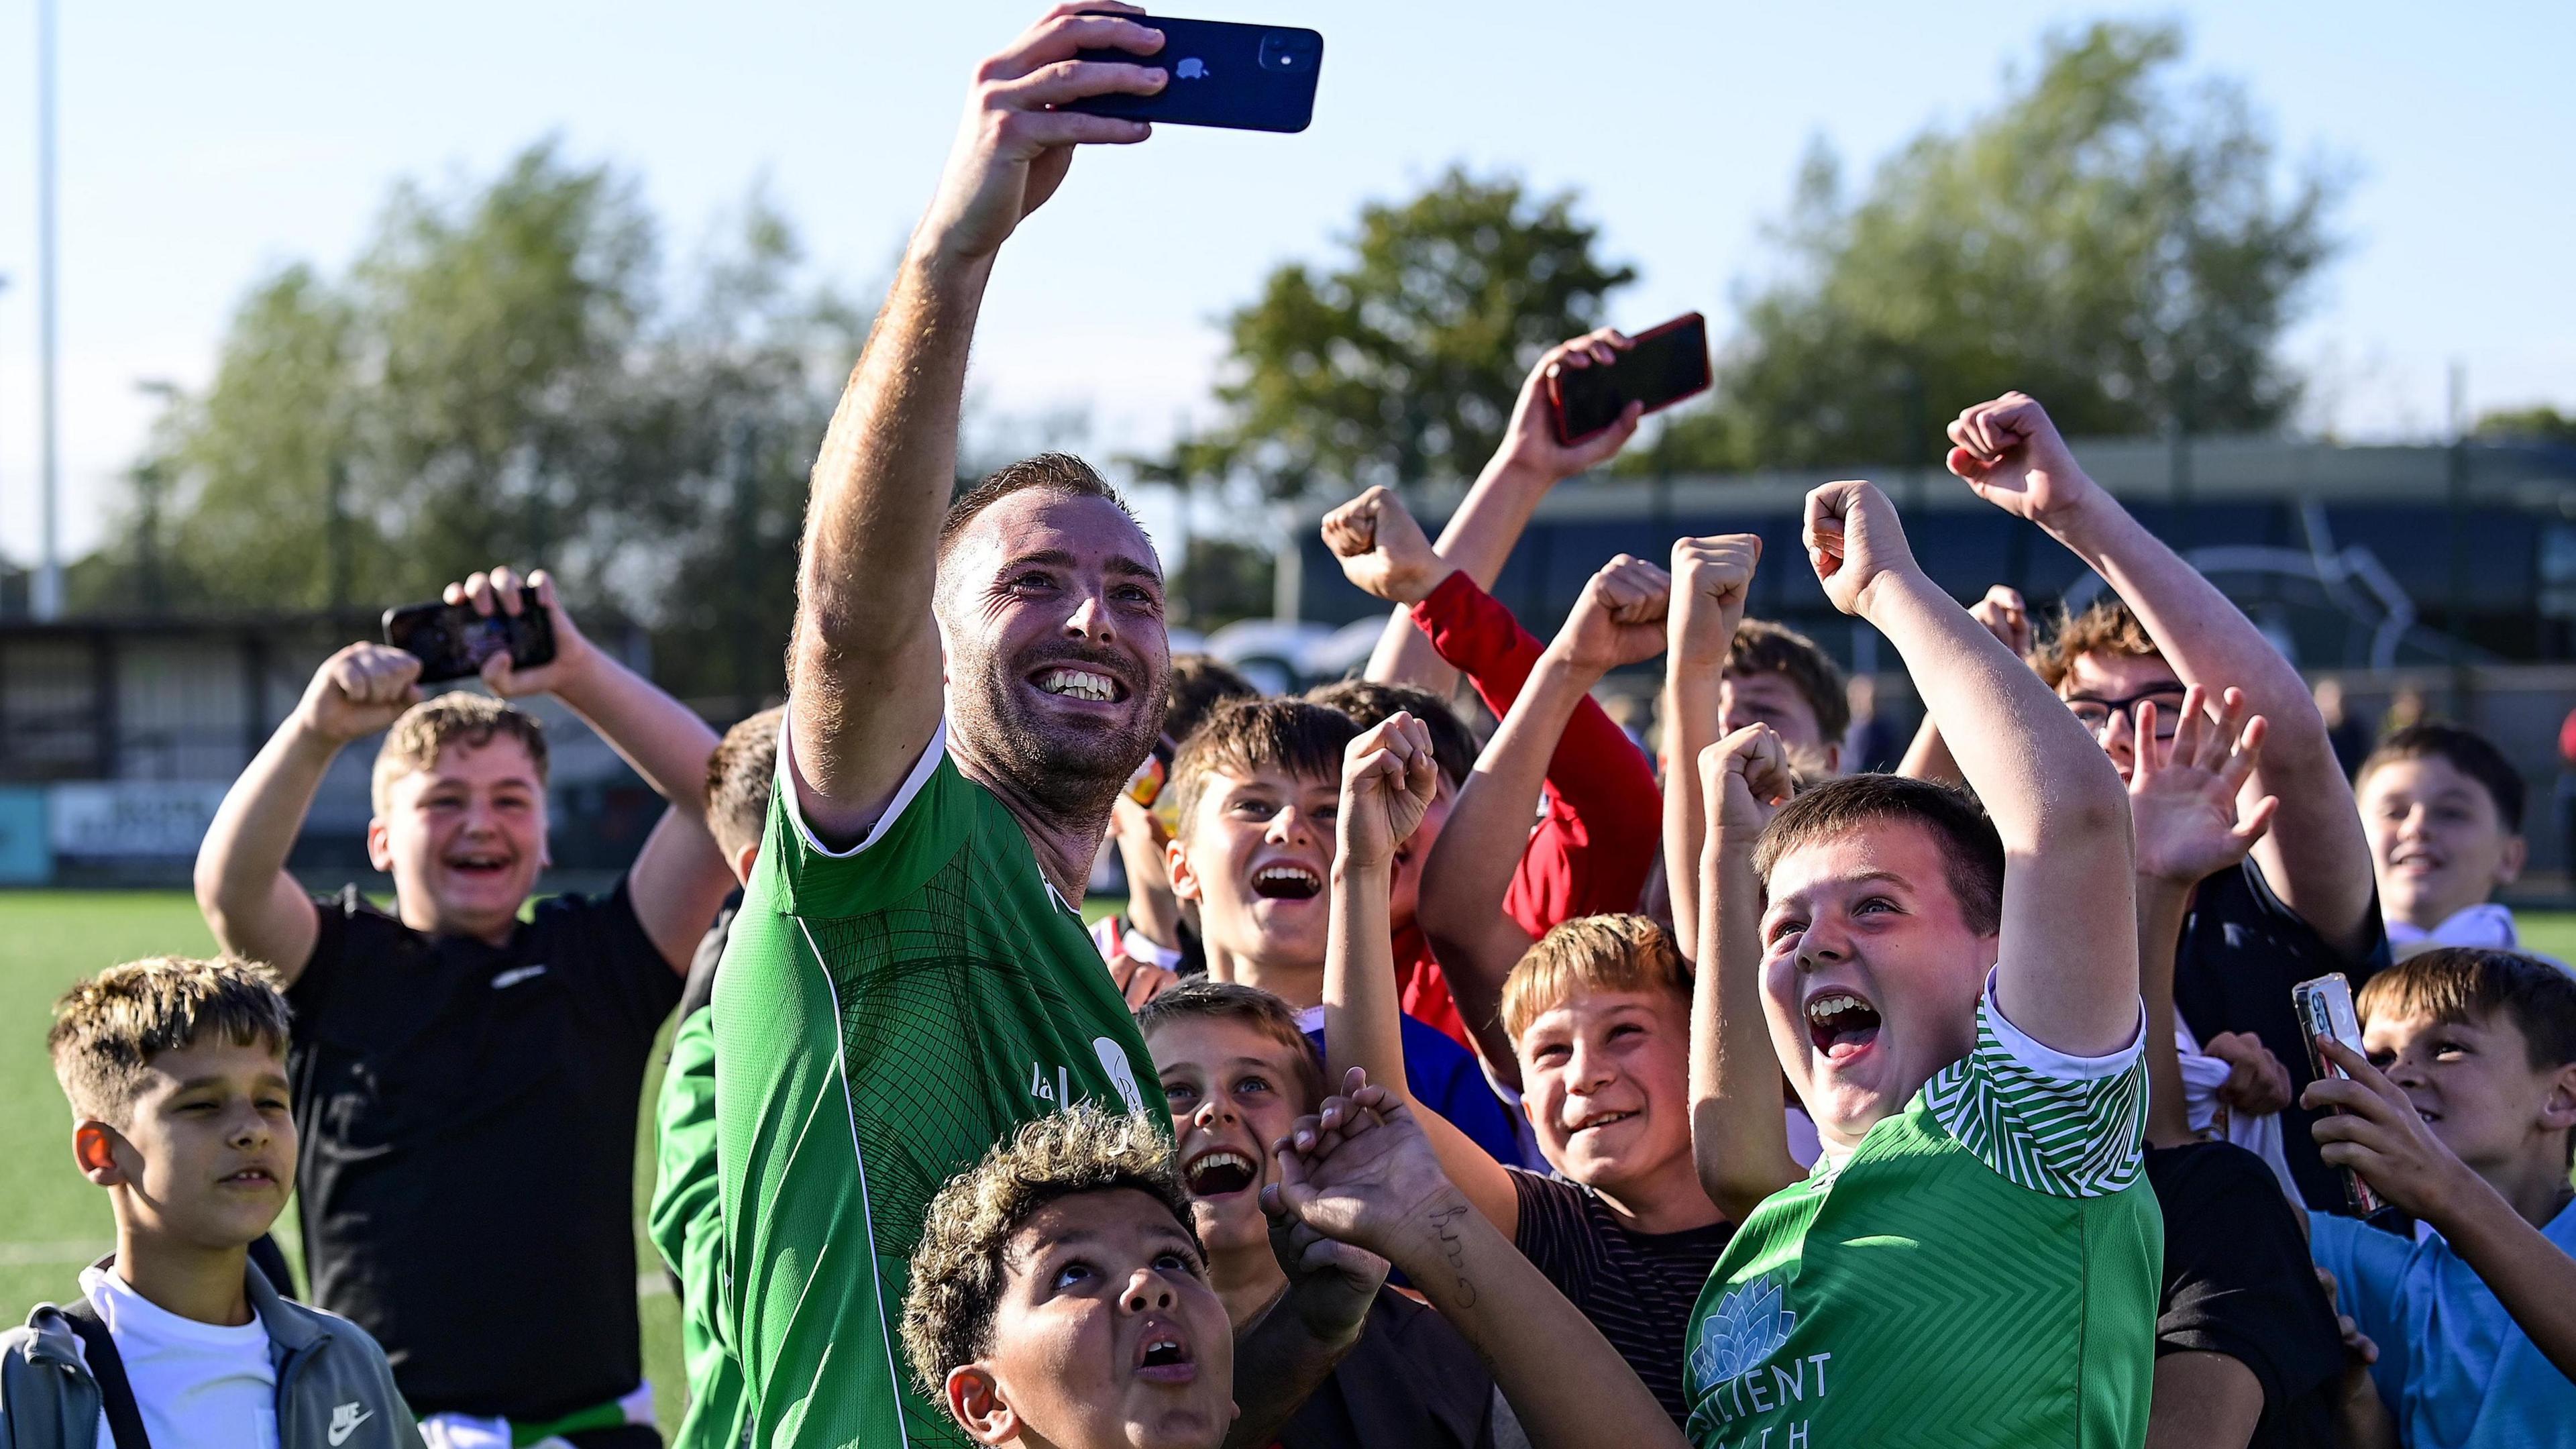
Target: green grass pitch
point(54, 1221)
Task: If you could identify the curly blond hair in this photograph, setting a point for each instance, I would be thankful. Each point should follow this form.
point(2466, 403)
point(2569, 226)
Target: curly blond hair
point(958, 1268)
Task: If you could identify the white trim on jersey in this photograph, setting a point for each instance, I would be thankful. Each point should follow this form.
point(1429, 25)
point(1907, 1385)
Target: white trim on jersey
point(931, 755)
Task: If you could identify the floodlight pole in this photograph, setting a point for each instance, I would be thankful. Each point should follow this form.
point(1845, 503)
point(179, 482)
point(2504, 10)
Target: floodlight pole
point(47, 599)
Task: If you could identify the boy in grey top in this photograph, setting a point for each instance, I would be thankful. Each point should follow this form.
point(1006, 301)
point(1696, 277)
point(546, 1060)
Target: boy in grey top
point(176, 1071)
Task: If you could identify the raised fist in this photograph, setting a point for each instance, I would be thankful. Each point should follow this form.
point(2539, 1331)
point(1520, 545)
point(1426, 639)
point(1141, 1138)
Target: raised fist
point(1854, 540)
point(1712, 577)
point(2006, 617)
point(359, 691)
point(2010, 454)
point(1619, 617)
point(1381, 549)
point(1744, 779)
point(1388, 778)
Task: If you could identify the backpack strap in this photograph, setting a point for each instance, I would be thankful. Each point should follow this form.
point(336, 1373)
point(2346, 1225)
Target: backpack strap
point(107, 1366)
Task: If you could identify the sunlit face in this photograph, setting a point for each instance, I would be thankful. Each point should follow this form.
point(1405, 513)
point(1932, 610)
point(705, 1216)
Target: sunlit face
point(1234, 1090)
point(1255, 855)
point(2474, 1084)
point(1605, 1081)
point(2437, 843)
point(1107, 1335)
point(206, 1153)
point(2104, 690)
point(1870, 973)
point(465, 838)
point(1051, 613)
point(1405, 894)
point(1745, 699)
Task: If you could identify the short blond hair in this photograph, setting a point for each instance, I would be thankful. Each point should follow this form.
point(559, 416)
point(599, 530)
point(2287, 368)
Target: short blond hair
point(460, 717)
point(1591, 953)
point(108, 1028)
point(958, 1268)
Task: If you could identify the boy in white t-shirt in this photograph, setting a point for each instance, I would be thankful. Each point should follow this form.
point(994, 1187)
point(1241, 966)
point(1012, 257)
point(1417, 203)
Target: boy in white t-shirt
point(176, 1071)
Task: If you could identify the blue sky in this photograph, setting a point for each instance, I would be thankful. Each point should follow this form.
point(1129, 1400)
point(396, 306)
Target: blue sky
point(203, 146)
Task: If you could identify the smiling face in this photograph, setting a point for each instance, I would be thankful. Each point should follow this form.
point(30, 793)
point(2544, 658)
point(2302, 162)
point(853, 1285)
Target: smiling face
point(1234, 1090)
point(2103, 689)
point(205, 1155)
point(1254, 856)
point(2474, 1084)
point(1107, 1334)
point(1051, 613)
point(2437, 843)
point(1870, 972)
point(464, 838)
point(1605, 1080)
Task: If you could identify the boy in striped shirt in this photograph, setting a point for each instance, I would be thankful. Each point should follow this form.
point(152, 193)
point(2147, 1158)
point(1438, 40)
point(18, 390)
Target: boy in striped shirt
point(1954, 995)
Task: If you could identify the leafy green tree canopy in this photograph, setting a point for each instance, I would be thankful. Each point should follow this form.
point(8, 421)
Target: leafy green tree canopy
point(2120, 242)
point(1400, 362)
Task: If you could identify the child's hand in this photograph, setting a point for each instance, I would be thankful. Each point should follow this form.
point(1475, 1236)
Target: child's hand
point(1529, 441)
point(1330, 1284)
point(1711, 578)
point(1361, 1172)
point(2010, 454)
point(2006, 616)
point(358, 691)
point(1619, 617)
point(1744, 779)
point(2376, 1131)
point(2257, 1084)
point(497, 591)
point(1854, 540)
point(1388, 779)
point(2182, 795)
point(1382, 550)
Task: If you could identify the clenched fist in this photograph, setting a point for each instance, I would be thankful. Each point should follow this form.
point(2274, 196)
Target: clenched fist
point(2010, 454)
point(1382, 549)
point(1712, 577)
point(1854, 540)
point(1619, 617)
point(359, 691)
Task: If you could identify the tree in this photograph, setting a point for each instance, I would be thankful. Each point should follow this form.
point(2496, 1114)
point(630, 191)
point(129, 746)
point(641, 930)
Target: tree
point(1400, 363)
point(2536, 424)
point(2109, 239)
point(503, 375)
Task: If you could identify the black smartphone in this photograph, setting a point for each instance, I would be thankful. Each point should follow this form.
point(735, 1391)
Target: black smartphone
point(1668, 363)
point(452, 641)
point(1242, 77)
point(2324, 1004)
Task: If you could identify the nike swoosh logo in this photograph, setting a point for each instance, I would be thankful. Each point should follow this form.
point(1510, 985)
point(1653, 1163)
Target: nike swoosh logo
point(344, 1423)
point(516, 975)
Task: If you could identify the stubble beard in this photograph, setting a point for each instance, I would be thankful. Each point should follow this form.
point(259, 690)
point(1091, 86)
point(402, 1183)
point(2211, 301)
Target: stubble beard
point(1073, 774)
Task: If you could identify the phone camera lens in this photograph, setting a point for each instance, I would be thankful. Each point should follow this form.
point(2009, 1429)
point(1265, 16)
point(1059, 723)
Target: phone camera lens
point(1282, 52)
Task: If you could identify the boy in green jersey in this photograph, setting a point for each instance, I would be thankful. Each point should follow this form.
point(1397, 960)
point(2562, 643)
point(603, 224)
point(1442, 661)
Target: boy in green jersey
point(1953, 992)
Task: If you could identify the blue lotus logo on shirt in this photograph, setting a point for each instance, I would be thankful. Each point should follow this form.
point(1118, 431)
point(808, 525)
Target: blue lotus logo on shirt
point(1748, 1326)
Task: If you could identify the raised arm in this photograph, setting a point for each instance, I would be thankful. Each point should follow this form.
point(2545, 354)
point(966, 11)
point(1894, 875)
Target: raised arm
point(2006, 617)
point(2183, 801)
point(2318, 861)
point(1488, 523)
point(864, 670)
point(679, 879)
point(254, 907)
point(1388, 778)
point(2068, 966)
point(1711, 579)
point(1739, 1137)
point(1618, 620)
point(1360, 1171)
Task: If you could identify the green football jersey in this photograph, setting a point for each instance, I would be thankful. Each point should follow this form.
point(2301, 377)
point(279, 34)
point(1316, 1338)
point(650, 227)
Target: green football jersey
point(1982, 1269)
point(884, 1015)
point(687, 1225)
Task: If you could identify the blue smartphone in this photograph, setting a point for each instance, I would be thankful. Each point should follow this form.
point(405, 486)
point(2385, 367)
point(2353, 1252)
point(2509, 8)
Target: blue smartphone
point(1241, 77)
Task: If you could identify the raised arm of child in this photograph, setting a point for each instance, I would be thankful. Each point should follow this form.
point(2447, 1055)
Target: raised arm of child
point(1618, 619)
point(1711, 579)
point(2318, 860)
point(2007, 616)
point(2067, 972)
point(1482, 533)
point(2183, 800)
point(1388, 778)
point(1361, 1171)
point(679, 879)
point(2377, 1132)
point(1739, 1138)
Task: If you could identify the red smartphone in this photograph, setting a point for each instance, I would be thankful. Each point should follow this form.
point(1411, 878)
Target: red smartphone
point(1668, 363)
point(2324, 1004)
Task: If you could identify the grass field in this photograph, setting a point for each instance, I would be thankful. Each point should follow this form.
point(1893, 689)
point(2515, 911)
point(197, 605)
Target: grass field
point(52, 1222)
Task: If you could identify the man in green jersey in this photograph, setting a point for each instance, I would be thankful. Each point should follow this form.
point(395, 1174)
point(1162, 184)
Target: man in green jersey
point(909, 979)
point(1975, 1257)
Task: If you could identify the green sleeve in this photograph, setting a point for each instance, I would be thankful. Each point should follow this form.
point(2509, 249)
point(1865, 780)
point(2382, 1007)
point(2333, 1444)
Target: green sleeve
point(687, 1221)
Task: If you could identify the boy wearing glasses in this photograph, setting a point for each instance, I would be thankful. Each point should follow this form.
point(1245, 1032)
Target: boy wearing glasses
point(2302, 903)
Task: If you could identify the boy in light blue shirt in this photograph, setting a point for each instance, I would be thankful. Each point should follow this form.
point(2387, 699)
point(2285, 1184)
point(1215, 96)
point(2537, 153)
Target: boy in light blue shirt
point(2462, 1115)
